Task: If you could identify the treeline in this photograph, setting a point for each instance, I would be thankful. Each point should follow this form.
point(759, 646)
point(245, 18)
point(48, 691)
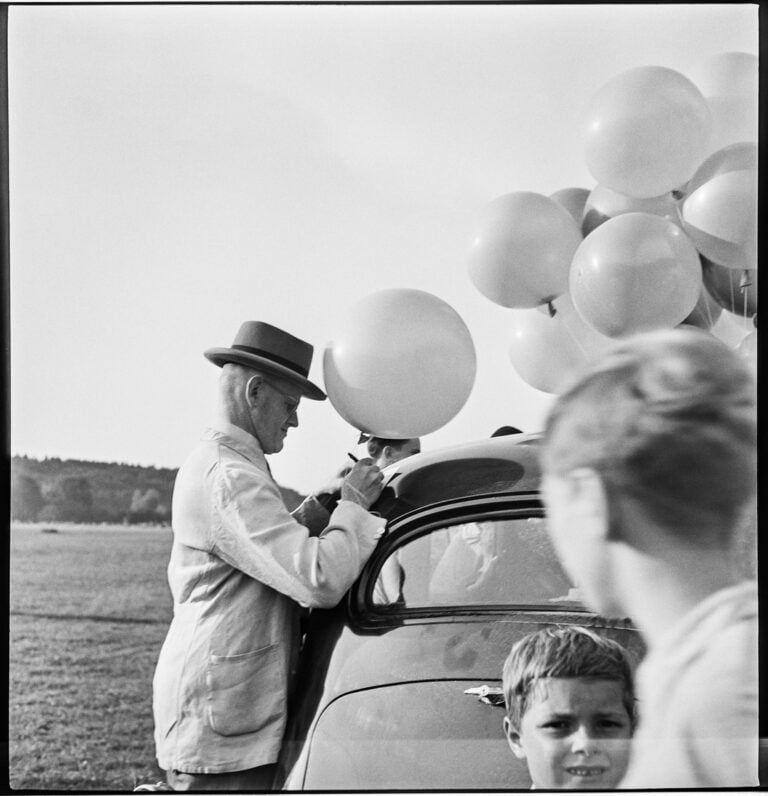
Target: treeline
point(69, 490)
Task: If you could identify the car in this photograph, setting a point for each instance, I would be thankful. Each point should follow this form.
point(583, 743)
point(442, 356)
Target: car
point(399, 686)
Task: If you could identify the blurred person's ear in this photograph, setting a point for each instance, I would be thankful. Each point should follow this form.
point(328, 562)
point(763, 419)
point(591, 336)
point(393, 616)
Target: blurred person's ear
point(589, 500)
point(513, 739)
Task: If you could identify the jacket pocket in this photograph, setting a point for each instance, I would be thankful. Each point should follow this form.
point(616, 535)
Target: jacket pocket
point(245, 691)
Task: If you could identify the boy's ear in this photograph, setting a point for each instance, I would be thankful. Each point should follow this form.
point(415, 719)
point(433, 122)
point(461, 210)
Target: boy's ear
point(513, 739)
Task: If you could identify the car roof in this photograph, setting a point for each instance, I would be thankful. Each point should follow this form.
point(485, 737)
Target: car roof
point(498, 465)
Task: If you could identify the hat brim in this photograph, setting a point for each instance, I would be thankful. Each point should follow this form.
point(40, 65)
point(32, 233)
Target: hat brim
point(220, 357)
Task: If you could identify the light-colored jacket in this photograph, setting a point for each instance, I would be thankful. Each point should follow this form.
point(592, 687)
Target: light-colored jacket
point(698, 698)
point(240, 567)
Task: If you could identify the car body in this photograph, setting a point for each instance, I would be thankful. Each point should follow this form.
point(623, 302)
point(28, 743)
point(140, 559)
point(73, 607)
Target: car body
point(398, 687)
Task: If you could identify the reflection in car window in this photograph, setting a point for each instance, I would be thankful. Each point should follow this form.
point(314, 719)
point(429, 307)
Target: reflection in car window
point(493, 562)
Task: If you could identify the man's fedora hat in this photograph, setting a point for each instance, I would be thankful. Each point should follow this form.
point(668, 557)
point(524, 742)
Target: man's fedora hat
point(263, 347)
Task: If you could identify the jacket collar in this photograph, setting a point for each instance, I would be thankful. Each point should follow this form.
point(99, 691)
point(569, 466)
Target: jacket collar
point(238, 440)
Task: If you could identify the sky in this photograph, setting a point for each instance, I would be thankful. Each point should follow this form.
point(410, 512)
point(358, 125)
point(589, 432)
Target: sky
point(178, 169)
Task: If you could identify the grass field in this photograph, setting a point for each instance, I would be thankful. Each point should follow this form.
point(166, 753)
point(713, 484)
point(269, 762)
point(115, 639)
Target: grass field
point(89, 608)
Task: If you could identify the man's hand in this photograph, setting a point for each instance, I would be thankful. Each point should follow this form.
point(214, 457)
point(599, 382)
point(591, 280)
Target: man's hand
point(333, 485)
point(363, 484)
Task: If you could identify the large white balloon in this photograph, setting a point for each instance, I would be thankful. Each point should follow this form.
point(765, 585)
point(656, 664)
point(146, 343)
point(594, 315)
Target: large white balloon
point(544, 354)
point(721, 218)
point(727, 74)
point(729, 83)
point(573, 200)
point(645, 131)
point(604, 203)
point(635, 273)
point(522, 249)
point(402, 364)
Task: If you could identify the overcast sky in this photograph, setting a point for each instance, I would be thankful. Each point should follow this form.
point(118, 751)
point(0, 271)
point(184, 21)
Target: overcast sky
point(175, 170)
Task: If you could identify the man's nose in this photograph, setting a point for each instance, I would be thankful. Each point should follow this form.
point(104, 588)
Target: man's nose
point(293, 419)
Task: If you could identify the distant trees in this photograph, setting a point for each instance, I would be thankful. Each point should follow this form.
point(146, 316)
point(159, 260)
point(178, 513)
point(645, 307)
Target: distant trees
point(70, 500)
point(146, 507)
point(54, 490)
point(26, 497)
point(67, 490)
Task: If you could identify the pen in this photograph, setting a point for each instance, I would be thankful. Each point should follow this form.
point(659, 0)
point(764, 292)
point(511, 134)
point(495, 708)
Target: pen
point(354, 458)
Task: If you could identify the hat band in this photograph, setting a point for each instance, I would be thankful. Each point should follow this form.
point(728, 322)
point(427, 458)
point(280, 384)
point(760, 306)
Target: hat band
point(260, 352)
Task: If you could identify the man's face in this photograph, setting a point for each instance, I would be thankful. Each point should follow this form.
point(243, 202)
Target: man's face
point(391, 453)
point(273, 412)
point(575, 734)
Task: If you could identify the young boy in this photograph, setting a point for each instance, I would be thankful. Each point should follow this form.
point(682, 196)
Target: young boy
point(570, 708)
point(649, 465)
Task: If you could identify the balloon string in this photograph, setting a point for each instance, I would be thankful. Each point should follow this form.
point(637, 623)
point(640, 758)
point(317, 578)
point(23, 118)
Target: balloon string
point(709, 314)
point(745, 283)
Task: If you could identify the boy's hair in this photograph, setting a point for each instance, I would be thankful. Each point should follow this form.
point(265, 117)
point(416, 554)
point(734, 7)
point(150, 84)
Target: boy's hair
point(667, 418)
point(564, 651)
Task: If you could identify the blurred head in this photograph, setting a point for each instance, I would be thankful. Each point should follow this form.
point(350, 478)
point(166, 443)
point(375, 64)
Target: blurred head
point(662, 428)
point(260, 403)
point(388, 451)
point(570, 707)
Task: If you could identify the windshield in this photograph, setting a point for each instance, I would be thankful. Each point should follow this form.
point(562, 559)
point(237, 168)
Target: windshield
point(482, 563)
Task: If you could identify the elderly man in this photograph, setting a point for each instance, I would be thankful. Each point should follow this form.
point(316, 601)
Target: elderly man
point(242, 566)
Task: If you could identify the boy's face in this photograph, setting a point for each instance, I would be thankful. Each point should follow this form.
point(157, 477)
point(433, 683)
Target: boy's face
point(575, 734)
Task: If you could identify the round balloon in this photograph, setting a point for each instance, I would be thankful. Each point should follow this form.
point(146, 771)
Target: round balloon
point(646, 131)
point(604, 203)
point(727, 74)
point(635, 273)
point(588, 340)
point(734, 119)
point(573, 200)
point(721, 218)
point(729, 83)
point(522, 250)
point(542, 351)
point(402, 365)
point(735, 291)
point(734, 157)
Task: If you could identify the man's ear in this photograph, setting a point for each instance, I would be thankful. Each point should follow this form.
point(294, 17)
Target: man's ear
point(513, 739)
point(252, 388)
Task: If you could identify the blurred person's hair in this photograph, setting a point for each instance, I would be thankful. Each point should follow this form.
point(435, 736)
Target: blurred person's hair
point(668, 419)
point(565, 651)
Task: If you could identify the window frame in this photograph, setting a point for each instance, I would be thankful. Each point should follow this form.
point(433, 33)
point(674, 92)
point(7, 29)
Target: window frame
point(366, 615)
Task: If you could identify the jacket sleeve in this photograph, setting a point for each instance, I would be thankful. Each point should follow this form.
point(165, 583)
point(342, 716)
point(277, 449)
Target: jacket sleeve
point(255, 533)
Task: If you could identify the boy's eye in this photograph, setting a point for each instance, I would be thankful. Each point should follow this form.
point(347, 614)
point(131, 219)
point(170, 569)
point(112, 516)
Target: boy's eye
point(556, 725)
point(611, 725)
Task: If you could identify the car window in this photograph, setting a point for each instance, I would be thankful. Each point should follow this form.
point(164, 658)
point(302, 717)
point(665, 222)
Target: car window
point(490, 562)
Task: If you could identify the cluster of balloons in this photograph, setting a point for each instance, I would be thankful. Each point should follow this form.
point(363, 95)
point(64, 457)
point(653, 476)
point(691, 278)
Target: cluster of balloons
point(401, 365)
point(667, 236)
